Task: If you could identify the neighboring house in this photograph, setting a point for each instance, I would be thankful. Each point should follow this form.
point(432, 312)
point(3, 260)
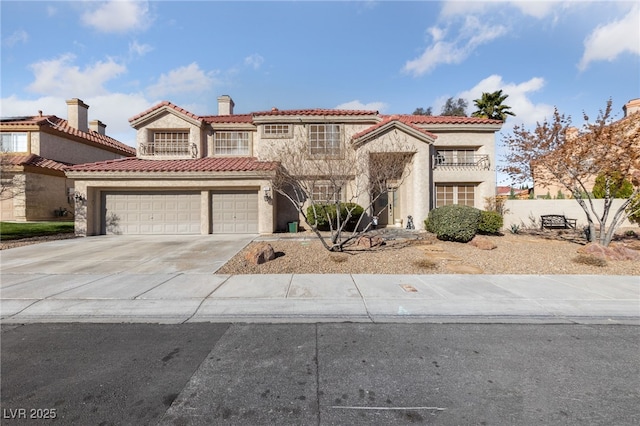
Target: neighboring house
point(508, 192)
point(212, 174)
point(552, 188)
point(35, 152)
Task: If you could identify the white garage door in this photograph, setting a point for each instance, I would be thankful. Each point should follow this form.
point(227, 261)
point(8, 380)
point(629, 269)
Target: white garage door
point(135, 213)
point(234, 212)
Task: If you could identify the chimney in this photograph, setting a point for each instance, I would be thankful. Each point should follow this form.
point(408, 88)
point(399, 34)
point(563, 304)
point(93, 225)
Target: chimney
point(225, 105)
point(98, 126)
point(632, 106)
point(77, 113)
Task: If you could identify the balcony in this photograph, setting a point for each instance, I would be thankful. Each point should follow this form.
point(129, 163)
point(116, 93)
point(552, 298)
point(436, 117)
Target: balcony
point(468, 162)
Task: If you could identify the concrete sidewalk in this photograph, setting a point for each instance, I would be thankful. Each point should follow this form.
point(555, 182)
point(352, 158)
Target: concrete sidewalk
point(198, 297)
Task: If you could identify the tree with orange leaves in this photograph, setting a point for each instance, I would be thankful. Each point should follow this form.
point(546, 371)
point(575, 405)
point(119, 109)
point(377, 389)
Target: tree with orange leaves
point(555, 152)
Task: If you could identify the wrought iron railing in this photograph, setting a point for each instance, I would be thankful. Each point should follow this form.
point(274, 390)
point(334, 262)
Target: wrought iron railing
point(479, 162)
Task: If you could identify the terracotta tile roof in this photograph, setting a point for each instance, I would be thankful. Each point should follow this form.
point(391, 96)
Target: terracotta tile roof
point(237, 118)
point(442, 119)
point(61, 125)
point(163, 104)
point(388, 119)
point(209, 164)
point(315, 112)
point(34, 161)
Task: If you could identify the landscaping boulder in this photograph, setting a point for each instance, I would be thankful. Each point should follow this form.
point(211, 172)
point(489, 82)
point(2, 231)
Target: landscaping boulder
point(612, 252)
point(483, 243)
point(260, 253)
point(369, 241)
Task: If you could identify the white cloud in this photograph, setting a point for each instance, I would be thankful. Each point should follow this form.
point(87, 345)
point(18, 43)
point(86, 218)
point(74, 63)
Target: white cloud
point(255, 61)
point(137, 49)
point(456, 49)
point(609, 41)
point(536, 9)
point(119, 16)
point(357, 105)
point(61, 77)
point(527, 112)
point(183, 80)
point(19, 36)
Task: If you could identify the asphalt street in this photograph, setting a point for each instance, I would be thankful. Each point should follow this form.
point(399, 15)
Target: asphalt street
point(320, 374)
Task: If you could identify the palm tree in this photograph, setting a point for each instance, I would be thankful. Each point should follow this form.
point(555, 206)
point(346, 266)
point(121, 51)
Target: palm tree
point(490, 106)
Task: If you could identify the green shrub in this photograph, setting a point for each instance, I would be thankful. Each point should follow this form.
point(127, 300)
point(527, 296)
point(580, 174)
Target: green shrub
point(490, 222)
point(454, 222)
point(324, 213)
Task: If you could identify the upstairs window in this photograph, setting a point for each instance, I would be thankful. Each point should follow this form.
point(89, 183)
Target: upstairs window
point(169, 143)
point(462, 157)
point(276, 131)
point(231, 143)
point(324, 139)
point(14, 142)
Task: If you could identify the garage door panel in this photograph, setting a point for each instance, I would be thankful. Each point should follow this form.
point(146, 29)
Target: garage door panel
point(234, 212)
point(151, 213)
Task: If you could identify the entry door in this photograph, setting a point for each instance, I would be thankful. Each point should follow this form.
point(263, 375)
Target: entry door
point(234, 212)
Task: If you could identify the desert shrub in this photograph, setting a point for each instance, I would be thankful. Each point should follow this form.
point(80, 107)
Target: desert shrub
point(490, 222)
point(585, 259)
point(326, 213)
point(634, 210)
point(454, 222)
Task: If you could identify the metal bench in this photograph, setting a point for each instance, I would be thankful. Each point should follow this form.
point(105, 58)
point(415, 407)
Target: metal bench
point(556, 221)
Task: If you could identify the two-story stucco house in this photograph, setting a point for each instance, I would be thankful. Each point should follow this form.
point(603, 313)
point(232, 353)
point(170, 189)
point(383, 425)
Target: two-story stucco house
point(213, 174)
point(35, 152)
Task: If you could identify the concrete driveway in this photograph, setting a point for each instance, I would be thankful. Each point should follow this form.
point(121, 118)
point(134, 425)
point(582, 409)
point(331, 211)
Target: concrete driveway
point(116, 254)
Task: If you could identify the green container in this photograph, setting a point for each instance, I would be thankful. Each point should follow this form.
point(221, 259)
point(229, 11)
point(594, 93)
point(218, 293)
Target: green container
point(293, 227)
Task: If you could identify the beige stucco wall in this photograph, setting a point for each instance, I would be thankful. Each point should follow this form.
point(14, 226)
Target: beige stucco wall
point(88, 213)
point(44, 194)
point(57, 148)
point(484, 144)
point(521, 212)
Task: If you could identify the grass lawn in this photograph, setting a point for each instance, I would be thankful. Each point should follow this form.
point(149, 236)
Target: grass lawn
point(14, 231)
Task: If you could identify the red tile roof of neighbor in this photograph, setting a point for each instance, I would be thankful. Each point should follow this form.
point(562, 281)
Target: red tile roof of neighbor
point(61, 125)
point(34, 161)
point(208, 164)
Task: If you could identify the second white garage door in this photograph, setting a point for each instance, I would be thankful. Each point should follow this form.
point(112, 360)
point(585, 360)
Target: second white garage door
point(234, 212)
point(136, 213)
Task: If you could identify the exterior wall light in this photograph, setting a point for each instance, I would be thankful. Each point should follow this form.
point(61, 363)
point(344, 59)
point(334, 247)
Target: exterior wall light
point(267, 193)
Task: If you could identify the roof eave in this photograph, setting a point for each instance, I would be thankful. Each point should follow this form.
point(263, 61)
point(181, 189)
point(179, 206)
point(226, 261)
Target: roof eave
point(138, 122)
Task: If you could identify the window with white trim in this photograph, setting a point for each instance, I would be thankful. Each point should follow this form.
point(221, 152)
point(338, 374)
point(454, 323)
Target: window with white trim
point(169, 143)
point(455, 194)
point(276, 130)
point(325, 193)
point(14, 142)
point(231, 143)
point(455, 156)
point(324, 139)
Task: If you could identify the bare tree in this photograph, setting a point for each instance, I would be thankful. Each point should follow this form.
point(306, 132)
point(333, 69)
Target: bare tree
point(558, 153)
point(347, 176)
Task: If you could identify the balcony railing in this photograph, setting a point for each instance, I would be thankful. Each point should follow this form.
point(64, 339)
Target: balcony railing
point(477, 162)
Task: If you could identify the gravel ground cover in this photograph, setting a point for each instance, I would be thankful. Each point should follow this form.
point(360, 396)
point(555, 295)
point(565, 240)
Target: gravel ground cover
point(421, 253)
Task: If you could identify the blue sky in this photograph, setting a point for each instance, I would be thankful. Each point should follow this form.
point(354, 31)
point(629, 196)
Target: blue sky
point(123, 57)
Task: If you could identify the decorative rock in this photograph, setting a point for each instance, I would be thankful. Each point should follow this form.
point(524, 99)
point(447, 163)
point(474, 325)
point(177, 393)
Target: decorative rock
point(370, 241)
point(260, 253)
point(482, 243)
point(457, 268)
point(612, 252)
